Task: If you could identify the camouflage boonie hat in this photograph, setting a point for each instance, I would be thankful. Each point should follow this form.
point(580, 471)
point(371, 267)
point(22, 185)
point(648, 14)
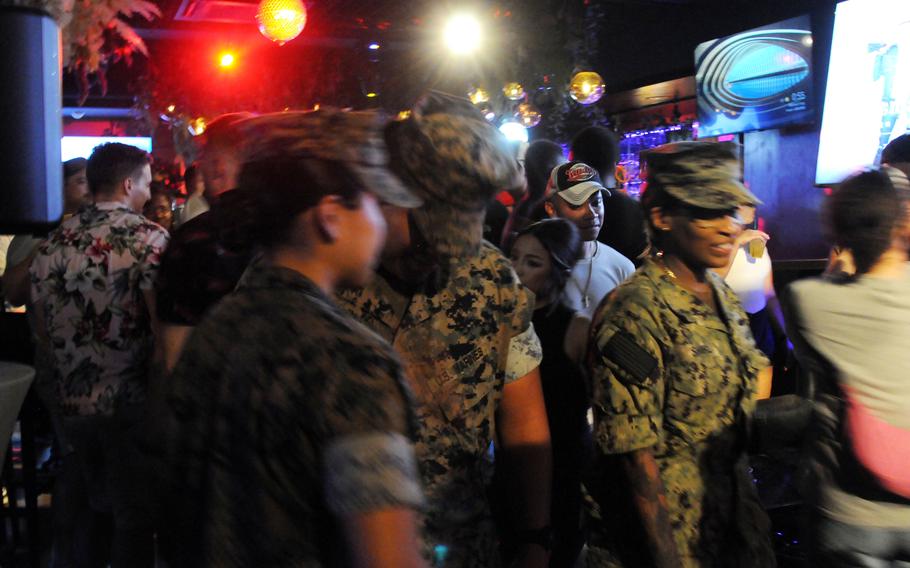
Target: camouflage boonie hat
point(353, 139)
point(457, 162)
point(701, 174)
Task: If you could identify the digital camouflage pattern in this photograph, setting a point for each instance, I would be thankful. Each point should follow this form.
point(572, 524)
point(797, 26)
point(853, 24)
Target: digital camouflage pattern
point(282, 415)
point(702, 174)
point(685, 394)
point(455, 345)
point(89, 277)
point(352, 140)
point(453, 158)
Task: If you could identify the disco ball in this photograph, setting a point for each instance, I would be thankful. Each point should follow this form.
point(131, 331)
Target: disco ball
point(514, 91)
point(281, 20)
point(586, 87)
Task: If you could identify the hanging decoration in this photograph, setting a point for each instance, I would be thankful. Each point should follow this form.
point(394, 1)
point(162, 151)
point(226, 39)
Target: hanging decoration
point(586, 87)
point(197, 126)
point(514, 91)
point(528, 115)
point(281, 20)
point(487, 111)
point(478, 95)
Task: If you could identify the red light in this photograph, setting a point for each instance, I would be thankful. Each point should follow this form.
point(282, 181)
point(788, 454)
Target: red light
point(226, 60)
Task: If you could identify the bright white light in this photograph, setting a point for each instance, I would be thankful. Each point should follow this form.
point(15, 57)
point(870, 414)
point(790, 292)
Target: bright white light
point(462, 34)
point(373, 46)
point(514, 131)
point(82, 146)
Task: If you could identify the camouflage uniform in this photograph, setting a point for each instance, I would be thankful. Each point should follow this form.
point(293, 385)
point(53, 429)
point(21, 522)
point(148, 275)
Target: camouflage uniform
point(460, 346)
point(299, 418)
point(689, 408)
point(671, 375)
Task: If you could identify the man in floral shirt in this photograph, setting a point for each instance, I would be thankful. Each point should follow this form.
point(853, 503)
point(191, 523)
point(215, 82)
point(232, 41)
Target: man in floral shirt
point(91, 288)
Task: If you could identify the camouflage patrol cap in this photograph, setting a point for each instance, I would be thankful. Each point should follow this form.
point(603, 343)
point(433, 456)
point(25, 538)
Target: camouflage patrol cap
point(701, 174)
point(352, 139)
point(457, 162)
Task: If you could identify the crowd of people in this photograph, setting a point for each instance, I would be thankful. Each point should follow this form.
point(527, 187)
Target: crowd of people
point(318, 360)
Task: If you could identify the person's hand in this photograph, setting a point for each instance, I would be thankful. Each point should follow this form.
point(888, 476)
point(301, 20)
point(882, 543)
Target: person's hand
point(750, 235)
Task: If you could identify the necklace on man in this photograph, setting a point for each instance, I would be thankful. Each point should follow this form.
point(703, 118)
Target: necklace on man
point(585, 299)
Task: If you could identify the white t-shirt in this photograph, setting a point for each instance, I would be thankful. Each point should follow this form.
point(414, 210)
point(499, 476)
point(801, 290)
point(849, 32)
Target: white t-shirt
point(747, 278)
point(593, 278)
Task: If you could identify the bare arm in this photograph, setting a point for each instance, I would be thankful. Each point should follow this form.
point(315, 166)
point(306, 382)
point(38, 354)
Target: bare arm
point(525, 443)
point(386, 538)
point(641, 476)
point(764, 383)
point(16, 282)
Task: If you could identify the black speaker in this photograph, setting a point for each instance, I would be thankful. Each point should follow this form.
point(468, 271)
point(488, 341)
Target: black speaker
point(31, 177)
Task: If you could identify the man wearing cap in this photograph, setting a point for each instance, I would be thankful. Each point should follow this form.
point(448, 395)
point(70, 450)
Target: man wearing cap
point(285, 430)
point(674, 373)
point(624, 223)
point(455, 311)
point(576, 194)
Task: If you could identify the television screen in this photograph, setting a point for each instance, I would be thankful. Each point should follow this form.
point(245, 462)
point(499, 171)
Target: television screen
point(867, 99)
point(754, 80)
point(82, 146)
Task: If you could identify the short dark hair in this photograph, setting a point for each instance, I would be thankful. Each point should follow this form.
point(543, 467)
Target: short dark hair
point(112, 163)
point(898, 150)
point(861, 214)
point(540, 159)
point(278, 189)
point(73, 167)
point(597, 147)
point(190, 175)
point(223, 131)
point(158, 188)
point(563, 242)
point(655, 196)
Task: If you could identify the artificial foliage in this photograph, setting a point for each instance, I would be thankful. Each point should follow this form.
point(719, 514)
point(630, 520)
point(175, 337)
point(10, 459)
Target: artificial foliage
point(95, 33)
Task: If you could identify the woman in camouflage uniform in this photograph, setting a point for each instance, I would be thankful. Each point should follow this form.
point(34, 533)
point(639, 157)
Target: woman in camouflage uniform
point(675, 371)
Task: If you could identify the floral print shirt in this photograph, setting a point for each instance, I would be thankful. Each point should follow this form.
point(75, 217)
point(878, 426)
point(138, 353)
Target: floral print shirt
point(88, 277)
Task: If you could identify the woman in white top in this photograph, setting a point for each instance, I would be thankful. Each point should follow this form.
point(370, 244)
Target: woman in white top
point(748, 273)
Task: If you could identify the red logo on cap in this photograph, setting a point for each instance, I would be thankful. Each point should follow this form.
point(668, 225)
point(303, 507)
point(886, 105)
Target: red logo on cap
point(580, 172)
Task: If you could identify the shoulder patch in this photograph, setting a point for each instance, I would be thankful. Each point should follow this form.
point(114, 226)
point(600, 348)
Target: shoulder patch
point(633, 359)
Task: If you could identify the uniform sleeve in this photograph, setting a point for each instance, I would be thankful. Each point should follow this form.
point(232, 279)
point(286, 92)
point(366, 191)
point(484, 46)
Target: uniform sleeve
point(369, 460)
point(525, 353)
point(627, 379)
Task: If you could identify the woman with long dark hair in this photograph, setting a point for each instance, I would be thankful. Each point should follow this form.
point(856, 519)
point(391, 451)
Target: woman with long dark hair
point(543, 255)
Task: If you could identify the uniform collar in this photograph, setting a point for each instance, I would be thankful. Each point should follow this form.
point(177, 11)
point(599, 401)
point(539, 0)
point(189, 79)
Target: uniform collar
point(684, 303)
point(263, 275)
point(379, 301)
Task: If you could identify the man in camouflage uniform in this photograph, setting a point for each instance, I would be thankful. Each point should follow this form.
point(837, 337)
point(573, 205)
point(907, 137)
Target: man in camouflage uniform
point(675, 370)
point(457, 314)
point(285, 430)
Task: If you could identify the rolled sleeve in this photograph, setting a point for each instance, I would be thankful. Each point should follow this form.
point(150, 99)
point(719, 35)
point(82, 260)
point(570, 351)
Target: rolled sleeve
point(525, 354)
point(367, 472)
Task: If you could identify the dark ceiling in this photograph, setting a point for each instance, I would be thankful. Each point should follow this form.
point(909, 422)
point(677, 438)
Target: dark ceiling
point(637, 42)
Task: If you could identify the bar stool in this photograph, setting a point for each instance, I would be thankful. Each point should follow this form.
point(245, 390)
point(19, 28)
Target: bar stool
point(15, 380)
